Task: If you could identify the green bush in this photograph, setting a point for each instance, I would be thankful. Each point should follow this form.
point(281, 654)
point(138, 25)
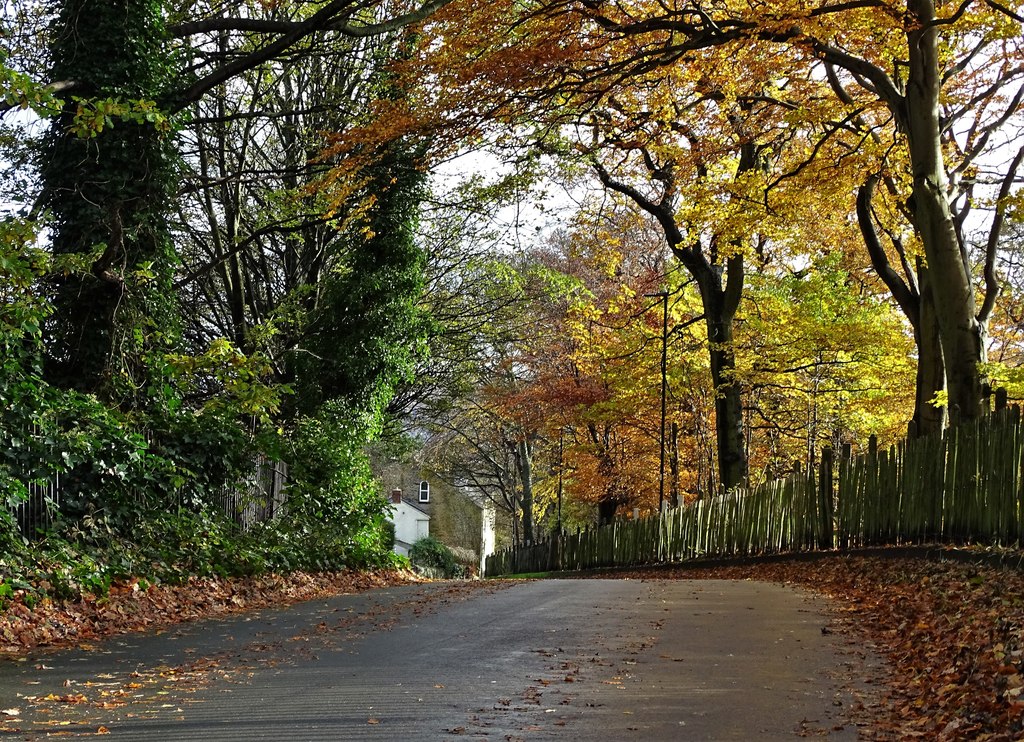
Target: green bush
point(430, 553)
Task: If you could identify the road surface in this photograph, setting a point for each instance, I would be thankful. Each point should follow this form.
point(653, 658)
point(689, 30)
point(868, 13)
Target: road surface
point(555, 659)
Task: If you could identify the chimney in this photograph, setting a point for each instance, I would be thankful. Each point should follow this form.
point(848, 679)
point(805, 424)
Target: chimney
point(396, 496)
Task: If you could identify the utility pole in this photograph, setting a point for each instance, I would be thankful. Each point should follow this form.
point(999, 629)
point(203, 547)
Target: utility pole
point(561, 461)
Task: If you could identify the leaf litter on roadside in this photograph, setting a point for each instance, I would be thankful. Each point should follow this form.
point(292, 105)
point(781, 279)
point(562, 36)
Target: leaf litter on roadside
point(128, 608)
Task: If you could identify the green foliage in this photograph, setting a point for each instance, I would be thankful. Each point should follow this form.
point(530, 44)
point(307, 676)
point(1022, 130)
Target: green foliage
point(389, 532)
point(335, 505)
point(369, 330)
point(22, 92)
point(21, 266)
point(107, 168)
point(430, 553)
point(96, 386)
point(92, 117)
point(1003, 375)
point(223, 377)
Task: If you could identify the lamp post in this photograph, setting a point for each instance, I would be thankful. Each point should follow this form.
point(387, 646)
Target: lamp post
point(664, 372)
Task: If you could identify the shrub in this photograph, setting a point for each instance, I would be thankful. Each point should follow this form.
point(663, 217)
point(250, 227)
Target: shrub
point(431, 554)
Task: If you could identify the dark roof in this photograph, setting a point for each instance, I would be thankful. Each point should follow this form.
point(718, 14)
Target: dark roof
point(416, 506)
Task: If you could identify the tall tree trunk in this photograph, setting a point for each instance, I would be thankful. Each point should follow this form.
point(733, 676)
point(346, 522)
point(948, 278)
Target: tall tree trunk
point(108, 194)
point(931, 372)
point(718, 318)
point(961, 333)
point(913, 293)
point(720, 301)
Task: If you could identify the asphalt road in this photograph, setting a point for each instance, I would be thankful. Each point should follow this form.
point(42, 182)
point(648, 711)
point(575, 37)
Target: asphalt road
point(557, 659)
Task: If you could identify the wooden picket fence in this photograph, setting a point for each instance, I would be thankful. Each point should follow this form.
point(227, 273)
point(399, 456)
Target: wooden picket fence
point(965, 486)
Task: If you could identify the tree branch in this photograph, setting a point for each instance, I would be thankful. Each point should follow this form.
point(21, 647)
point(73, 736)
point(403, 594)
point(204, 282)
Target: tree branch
point(268, 26)
point(907, 300)
point(992, 246)
point(327, 18)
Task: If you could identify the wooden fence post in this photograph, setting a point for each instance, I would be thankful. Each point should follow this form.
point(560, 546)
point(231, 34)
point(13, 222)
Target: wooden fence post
point(912, 430)
point(1001, 399)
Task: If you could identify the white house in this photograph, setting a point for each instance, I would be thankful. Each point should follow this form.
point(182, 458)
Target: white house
point(486, 532)
point(412, 521)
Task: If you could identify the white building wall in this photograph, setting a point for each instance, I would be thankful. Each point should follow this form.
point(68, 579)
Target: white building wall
point(486, 534)
point(410, 526)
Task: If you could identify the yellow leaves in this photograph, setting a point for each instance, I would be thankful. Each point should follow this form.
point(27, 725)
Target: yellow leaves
point(93, 116)
point(244, 379)
point(67, 698)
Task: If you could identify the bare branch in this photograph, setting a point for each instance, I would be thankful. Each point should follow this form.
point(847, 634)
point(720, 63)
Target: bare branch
point(1004, 10)
point(991, 280)
point(331, 15)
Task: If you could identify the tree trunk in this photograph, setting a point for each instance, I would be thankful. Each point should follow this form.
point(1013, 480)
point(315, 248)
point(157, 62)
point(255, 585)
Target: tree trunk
point(961, 333)
point(108, 195)
point(913, 293)
point(931, 372)
point(720, 303)
point(732, 460)
point(606, 509)
point(525, 466)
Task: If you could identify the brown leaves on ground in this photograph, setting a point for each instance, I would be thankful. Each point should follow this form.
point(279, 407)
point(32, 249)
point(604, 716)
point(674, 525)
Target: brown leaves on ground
point(129, 607)
point(953, 634)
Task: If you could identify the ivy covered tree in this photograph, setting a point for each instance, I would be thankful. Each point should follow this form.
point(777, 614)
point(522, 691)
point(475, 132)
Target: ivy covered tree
point(108, 173)
point(367, 331)
point(143, 96)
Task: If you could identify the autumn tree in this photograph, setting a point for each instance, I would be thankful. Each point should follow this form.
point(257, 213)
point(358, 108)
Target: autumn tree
point(941, 86)
point(826, 363)
point(483, 439)
point(594, 374)
point(712, 257)
point(942, 81)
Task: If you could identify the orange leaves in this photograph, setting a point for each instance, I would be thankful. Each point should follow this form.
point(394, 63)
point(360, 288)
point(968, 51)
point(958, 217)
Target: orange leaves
point(67, 698)
point(128, 609)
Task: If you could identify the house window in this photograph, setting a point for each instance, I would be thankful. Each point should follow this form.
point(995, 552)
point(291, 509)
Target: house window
point(424, 491)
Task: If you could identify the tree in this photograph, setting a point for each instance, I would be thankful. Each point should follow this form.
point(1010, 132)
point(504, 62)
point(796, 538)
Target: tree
point(918, 75)
point(480, 441)
point(913, 293)
point(940, 86)
point(107, 164)
point(107, 187)
point(364, 337)
point(826, 364)
point(717, 266)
